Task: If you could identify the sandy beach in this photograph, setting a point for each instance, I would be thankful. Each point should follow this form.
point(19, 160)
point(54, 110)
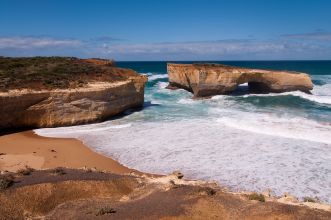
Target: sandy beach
point(22, 149)
point(130, 195)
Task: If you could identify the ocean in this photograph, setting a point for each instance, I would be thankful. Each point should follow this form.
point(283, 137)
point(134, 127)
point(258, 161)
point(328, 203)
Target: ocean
point(253, 142)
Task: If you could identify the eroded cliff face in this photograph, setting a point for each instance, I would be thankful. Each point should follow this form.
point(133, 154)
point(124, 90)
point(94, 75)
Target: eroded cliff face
point(205, 80)
point(64, 107)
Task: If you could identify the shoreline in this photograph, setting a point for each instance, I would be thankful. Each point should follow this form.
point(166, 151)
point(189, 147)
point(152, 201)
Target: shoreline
point(42, 153)
point(18, 150)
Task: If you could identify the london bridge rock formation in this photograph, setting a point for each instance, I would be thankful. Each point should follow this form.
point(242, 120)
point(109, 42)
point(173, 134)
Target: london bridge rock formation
point(205, 80)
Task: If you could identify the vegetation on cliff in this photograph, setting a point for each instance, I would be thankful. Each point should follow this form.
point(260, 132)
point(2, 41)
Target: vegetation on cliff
point(56, 72)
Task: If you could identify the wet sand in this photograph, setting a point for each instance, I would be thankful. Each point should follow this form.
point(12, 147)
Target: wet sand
point(22, 149)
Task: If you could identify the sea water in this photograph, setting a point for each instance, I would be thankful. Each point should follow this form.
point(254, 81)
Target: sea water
point(243, 141)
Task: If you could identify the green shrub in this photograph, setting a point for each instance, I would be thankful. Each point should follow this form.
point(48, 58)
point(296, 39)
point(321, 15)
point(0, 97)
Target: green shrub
point(256, 196)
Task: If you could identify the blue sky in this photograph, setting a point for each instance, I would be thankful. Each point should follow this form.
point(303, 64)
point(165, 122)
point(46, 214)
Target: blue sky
point(167, 29)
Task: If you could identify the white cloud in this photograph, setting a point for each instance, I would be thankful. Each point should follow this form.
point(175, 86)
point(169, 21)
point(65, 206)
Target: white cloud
point(212, 47)
point(235, 49)
point(25, 43)
point(243, 49)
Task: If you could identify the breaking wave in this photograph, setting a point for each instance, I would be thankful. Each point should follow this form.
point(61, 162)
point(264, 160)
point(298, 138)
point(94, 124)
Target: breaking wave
point(157, 76)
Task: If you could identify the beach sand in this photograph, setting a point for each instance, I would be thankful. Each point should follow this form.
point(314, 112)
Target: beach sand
point(22, 149)
point(131, 196)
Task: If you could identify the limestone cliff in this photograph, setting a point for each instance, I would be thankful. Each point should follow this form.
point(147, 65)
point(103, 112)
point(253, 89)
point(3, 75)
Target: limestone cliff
point(214, 79)
point(63, 107)
point(95, 101)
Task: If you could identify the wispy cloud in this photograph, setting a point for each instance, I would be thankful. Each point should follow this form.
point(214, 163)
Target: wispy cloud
point(284, 47)
point(220, 49)
point(107, 39)
point(28, 43)
point(197, 47)
point(318, 35)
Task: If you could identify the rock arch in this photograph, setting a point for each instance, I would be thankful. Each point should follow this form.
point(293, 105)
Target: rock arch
point(205, 80)
point(256, 83)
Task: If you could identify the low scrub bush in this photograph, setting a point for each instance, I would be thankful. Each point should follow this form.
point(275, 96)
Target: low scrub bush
point(309, 199)
point(25, 171)
point(256, 196)
point(105, 210)
point(6, 180)
point(53, 72)
point(58, 171)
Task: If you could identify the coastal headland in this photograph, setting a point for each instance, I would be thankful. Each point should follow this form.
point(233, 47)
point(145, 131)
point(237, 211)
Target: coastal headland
point(62, 91)
point(48, 178)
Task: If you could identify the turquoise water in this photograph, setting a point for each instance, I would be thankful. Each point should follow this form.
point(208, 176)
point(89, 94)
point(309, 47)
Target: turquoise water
point(244, 141)
point(314, 107)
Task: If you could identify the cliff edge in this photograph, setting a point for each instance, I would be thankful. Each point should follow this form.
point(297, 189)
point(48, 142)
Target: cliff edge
point(205, 80)
point(49, 92)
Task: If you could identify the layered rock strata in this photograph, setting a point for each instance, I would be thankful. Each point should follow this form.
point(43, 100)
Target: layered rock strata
point(94, 102)
point(215, 79)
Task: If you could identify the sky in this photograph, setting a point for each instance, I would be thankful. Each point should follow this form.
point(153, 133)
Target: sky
point(143, 30)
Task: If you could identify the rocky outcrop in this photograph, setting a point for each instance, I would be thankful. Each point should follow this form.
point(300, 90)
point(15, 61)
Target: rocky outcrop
point(82, 194)
point(94, 102)
point(213, 79)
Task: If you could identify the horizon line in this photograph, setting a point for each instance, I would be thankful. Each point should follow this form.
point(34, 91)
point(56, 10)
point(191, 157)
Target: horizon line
point(216, 60)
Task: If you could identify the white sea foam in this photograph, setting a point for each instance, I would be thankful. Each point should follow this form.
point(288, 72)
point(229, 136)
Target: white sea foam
point(218, 97)
point(323, 99)
point(322, 90)
point(213, 151)
point(73, 130)
point(162, 85)
point(320, 94)
point(189, 101)
point(156, 102)
point(157, 76)
point(236, 143)
point(272, 124)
